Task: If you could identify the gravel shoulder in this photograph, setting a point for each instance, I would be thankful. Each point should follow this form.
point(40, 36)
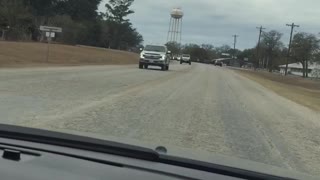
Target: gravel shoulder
point(291, 127)
point(303, 91)
point(197, 107)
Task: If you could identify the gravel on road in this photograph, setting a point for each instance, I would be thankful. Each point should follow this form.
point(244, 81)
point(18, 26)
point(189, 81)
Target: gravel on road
point(198, 107)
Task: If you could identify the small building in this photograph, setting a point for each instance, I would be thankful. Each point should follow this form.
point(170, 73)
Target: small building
point(297, 69)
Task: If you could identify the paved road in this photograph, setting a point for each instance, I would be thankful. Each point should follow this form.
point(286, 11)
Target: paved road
point(199, 107)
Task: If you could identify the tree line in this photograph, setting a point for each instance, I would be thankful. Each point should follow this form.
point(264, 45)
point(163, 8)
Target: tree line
point(269, 54)
point(81, 22)
point(203, 52)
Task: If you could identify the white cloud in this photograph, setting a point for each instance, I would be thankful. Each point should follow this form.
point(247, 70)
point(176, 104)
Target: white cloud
point(214, 21)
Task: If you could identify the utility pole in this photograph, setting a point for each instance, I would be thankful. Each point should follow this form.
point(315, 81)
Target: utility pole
point(48, 34)
point(258, 46)
point(289, 48)
point(234, 45)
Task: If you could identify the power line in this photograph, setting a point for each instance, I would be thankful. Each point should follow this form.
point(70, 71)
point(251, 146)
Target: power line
point(234, 45)
point(258, 46)
point(289, 48)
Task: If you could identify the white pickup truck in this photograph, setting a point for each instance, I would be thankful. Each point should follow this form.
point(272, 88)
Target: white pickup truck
point(153, 55)
point(185, 58)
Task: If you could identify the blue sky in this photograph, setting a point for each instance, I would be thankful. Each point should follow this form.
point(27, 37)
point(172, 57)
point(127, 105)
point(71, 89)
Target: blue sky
point(215, 21)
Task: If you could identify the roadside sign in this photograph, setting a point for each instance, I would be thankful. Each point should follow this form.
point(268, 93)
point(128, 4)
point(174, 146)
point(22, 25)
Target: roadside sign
point(51, 29)
point(50, 34)
point(225, 54)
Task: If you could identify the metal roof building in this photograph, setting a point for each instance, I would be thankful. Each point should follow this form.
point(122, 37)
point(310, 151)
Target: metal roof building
point(297, 69)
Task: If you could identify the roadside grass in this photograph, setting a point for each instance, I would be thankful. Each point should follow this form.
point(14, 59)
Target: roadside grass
point(303, 91)
point(20, 54)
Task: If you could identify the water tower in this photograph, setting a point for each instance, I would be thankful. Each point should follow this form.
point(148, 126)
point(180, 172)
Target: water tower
point(175, 27)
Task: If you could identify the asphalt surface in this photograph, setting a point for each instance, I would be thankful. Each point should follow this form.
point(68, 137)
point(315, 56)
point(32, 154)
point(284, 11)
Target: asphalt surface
point(198, 107)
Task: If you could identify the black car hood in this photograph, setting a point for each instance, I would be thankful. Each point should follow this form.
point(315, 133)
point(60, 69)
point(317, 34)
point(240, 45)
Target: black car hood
point(181, 153)
point(208, 157)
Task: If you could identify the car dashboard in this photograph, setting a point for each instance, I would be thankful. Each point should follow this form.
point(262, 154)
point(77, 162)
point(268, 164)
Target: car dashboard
point(33, 161)
point(32, 154)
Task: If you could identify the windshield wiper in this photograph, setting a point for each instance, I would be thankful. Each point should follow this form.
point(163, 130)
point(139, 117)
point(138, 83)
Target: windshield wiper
point(78, 142)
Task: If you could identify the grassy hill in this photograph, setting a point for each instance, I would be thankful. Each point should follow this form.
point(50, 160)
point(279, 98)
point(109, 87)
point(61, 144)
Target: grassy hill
point(34, 54)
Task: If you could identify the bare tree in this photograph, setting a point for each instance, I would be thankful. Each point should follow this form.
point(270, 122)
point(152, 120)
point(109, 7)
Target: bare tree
point(223, 49)
point(207, 47)
point(305, 47)
point(272, 44)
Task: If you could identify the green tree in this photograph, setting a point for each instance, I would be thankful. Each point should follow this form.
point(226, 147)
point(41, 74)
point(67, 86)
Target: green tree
point(305, 47)
point(233, 52)
point(42, 8)
point(79, 19)
point(73, 32)
point(129, 36)
point(249, 54)
point(16, 15)
point(272, 45)
point(197, 52)
point(79, 10)
point(118, 10)
point(120, 30)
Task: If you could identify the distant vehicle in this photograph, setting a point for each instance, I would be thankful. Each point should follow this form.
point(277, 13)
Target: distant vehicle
point(218, 63)
point(185, 58)
point(153, 55)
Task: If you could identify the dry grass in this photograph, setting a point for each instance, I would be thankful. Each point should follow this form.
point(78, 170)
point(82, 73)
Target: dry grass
point(31, 54)
point(303, 91)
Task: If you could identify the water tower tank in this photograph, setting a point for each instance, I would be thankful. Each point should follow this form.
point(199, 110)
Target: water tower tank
point(176, 13)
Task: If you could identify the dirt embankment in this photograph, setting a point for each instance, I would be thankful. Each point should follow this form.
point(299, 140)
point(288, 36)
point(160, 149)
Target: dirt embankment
point(303, 91)
point(34, 54)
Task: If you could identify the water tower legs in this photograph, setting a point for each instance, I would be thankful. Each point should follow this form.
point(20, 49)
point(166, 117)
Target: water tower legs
point(175, 29)
point(175, 26)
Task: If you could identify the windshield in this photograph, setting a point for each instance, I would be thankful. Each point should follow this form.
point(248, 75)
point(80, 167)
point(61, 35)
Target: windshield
point(155, 48)
point(240, 79)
